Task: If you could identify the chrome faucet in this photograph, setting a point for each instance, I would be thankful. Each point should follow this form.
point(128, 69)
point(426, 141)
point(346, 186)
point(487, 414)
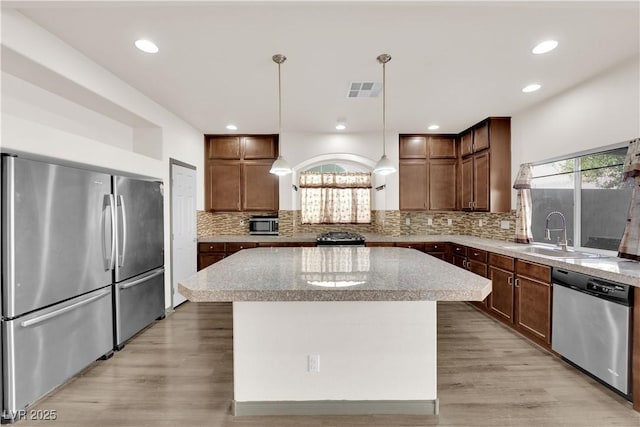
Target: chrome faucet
point(561, 243)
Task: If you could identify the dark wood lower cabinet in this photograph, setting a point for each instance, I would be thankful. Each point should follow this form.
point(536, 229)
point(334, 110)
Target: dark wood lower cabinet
point(502, 295)
point(534, 308)
point(501, 273)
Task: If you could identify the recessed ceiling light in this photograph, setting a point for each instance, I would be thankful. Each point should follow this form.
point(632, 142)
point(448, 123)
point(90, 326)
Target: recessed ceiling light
point(341, 126)
point(531, 88)
point(232, 127)
point(147, 46)
point(544, 47)
point(433, 127)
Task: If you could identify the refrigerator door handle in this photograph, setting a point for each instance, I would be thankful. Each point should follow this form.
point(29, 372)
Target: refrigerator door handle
point(111, 202)
point(57, 313)
point(141, 280)
point(124, 230)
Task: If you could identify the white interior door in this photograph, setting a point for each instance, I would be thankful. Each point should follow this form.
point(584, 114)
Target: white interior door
point(183, 225)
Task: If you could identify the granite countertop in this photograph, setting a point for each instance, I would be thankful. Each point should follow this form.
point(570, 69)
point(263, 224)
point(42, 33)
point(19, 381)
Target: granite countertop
point(611, 268)
point(333, 274)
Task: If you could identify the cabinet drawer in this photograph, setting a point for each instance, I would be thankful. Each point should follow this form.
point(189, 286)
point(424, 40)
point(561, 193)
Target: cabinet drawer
point(477, 255)
point(501, 261)
point(411, 245)
point(479, 268)
point(235, 247)
point(435, 247)
point(534, 271)
point(211, 247)
point(379, 244)
point(459, 250)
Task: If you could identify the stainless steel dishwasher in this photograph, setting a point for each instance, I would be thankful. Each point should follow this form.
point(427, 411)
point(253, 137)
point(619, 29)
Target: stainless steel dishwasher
point(591, 326)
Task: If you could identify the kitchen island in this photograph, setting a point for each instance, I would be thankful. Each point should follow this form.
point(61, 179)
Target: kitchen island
point(334, 330)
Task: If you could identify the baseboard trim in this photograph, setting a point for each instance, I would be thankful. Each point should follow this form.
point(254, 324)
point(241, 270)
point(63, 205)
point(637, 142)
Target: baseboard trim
point(336, 407)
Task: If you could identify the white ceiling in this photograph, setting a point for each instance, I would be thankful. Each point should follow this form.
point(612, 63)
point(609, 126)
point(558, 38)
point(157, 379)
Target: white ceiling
point(454, 63)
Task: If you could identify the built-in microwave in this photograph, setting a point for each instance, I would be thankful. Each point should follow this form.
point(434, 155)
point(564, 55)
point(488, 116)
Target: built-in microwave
point(263, 225)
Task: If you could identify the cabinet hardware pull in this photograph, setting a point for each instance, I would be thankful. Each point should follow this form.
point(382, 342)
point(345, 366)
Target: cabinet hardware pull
point(517, 283)
point(510, 280)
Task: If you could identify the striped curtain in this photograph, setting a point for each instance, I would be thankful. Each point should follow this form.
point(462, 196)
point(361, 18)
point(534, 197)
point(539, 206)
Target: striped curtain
point(630, 243)
point(523, 209)
point(335, 198)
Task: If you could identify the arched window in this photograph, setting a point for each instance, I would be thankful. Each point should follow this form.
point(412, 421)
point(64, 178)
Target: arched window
point(330, 194)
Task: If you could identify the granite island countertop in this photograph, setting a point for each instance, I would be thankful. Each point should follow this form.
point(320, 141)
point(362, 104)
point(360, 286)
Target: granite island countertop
point(611, 268)
point(333, 274)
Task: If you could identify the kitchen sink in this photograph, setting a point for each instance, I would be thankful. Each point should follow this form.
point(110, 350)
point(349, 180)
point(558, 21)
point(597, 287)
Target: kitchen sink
point(553, 252)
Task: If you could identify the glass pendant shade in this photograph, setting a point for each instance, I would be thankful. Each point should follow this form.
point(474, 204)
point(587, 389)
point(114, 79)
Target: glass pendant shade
point(384, 166)
point(280, 167)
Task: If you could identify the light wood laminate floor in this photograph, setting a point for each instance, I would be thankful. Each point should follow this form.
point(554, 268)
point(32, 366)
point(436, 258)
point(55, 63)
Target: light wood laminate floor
point(179, 372)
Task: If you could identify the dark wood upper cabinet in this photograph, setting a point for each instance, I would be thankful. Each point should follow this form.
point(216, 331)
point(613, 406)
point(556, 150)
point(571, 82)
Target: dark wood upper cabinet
point(481, 137)
point(490, 172)
point(466, 143)
point(259, 147)
point(223, 147)
point(442, 180)
point(413, 188)
point(413, 147)
point(223, 186)
point(442, 147)
point(481, 171)
point(260, 188)
point(237, 174)
point(466, 183)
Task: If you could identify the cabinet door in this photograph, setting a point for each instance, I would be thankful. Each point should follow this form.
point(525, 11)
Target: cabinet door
point(466, 143)
point(223, 147)
point(466, 184)
point(260, 188)
point(481, 137)
point(501, 301)
point(460, 261)
point(477, 267)
point(442, 147)
point(205, 259)
point(534, 308)
point(223, 180)
point(259, 147)
point(413, 184)
point(481, 181)
point(413, 147)
point(442, 184)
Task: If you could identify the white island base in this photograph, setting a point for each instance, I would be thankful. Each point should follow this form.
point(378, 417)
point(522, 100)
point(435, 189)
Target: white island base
point(375, 357)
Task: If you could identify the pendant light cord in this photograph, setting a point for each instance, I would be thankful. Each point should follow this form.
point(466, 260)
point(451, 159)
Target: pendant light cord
point(279, 102)
point(384, 109)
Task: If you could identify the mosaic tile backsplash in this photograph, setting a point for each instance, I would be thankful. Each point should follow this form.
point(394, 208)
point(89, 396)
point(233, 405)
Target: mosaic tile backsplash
point(389, 223)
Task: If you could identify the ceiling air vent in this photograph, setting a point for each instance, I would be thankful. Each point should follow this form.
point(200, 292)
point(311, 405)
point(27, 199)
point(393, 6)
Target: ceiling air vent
point(364, 89)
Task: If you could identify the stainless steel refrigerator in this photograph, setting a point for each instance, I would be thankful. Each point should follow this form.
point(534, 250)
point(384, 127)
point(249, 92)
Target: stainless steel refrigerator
point(68, 273)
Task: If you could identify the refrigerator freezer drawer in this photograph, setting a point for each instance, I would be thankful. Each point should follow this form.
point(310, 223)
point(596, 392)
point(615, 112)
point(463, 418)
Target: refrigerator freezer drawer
point(138, 302)
point(44, 349)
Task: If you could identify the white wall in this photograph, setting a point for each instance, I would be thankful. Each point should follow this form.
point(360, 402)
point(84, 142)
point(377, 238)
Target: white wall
point(299, 148)
point(40, 122)
point(363, 356)
point(602, 111)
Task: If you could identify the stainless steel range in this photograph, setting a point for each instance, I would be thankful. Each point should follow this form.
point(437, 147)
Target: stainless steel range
point(340, 238)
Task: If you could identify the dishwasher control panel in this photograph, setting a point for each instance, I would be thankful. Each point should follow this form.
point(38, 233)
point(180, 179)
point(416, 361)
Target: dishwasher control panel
point(602, 288)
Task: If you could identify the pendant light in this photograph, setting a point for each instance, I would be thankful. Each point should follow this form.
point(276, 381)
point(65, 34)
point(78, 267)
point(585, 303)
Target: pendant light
point(280, 167)
point(384, 165)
